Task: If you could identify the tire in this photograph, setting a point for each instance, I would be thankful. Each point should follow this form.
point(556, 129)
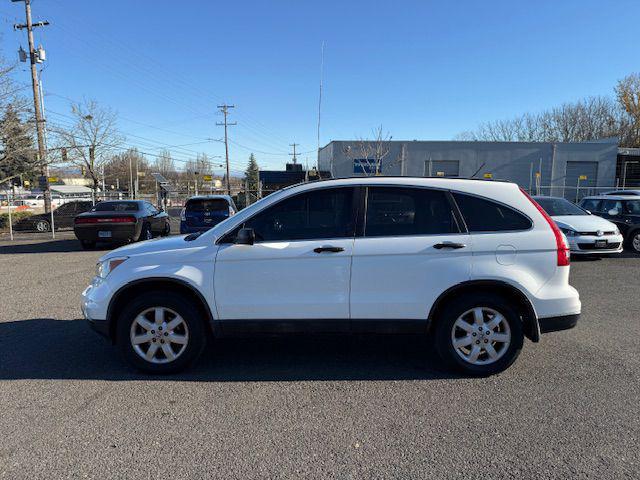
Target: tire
point(633, 241)
point(145, 233)
point(458, 323)
point(190, 333)
point(42, 226)
point(87, 244)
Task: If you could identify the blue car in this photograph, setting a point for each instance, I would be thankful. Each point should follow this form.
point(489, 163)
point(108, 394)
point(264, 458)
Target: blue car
point(203, 212)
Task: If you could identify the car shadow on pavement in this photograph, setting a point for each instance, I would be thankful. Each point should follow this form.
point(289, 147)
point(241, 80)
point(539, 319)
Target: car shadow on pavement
point(51, 246)
point(67, 349)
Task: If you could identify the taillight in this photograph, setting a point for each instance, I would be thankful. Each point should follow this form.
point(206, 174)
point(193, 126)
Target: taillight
point(561, 246)
point(105, 220)
point(183, 214)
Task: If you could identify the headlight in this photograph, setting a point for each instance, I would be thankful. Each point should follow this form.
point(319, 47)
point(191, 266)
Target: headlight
point(105, 267)
point(568, 232)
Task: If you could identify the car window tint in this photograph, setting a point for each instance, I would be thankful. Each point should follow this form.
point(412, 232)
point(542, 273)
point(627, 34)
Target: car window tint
point(325, 213)
point(591, 204)
point(208, 205)
point(483, 215)
point(66, 208)
point(394, 211)
point(116, 207)
point(632, 207)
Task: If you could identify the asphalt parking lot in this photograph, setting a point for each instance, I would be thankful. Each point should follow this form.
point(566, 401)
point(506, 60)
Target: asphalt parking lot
point(366, 407)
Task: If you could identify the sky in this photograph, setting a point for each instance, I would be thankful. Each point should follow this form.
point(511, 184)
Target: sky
point(424, 70)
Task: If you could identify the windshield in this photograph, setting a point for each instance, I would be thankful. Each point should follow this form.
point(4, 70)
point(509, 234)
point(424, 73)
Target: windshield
point(557, 207)
point(115, 207)
point(207, 205)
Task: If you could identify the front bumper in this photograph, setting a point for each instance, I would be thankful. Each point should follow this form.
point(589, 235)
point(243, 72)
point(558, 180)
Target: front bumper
point(586, 244)
point(556, 324)
point(94, 303)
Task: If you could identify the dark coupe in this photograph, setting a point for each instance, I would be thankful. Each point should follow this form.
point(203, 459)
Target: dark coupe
point(120, 221)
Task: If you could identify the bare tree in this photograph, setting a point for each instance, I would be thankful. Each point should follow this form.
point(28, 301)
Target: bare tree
point(628, 94)
point(370, 153)
point(164, 164)
point(92, 139)
point(591, 118)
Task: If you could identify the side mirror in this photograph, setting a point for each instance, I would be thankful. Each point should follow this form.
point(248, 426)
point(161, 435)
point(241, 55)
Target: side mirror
point(246, 236)
point(613, 212)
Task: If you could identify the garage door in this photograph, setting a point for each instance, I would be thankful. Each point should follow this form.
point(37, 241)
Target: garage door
point(574, 191)
point(442, 168)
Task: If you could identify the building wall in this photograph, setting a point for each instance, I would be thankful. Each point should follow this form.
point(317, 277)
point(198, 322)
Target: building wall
point(514, 161)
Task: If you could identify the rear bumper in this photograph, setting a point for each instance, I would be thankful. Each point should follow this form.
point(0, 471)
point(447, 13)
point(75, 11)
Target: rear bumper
point(119, 233)
point(556, 324)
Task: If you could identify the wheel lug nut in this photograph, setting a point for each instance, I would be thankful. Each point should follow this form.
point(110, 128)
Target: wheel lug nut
point(486, 341)
point(161, 341)
point(477, 342)
point(153, 340)
point(160, 328)
point(153, 332)
point(166, 333)
point(474, 334)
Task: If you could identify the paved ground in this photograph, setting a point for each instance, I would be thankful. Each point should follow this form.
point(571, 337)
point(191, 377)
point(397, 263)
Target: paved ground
point(342, 408)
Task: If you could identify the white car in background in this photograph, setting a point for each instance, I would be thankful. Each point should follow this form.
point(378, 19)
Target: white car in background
point(586, 233)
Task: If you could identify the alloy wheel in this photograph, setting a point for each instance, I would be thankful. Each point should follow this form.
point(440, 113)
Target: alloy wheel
point(42, 226)
point(159, 335)
point(636, 242)
point(481, 336)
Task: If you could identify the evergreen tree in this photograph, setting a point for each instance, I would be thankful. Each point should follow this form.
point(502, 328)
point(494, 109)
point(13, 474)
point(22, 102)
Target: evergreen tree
point(17, 152)
point(252, 177)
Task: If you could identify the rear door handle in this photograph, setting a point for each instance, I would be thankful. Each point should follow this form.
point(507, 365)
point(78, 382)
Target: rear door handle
point(453, 245)
point(328, 248)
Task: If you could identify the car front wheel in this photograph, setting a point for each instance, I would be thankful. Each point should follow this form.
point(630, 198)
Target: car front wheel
point(634, 241)
point(479, 335)
point(161, 333)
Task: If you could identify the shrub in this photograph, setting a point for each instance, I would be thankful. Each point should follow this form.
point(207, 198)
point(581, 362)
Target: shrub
point(15, 218)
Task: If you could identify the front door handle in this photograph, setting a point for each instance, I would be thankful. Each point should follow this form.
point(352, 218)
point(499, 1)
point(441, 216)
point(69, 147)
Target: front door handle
point(453, 245)
point(328, 248)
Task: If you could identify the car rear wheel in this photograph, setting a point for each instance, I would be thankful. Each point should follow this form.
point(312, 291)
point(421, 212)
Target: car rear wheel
point(161, 333)
point(43, 226)
point(479, 335)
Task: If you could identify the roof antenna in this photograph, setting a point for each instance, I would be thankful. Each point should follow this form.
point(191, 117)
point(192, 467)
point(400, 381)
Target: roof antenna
point(478, 170)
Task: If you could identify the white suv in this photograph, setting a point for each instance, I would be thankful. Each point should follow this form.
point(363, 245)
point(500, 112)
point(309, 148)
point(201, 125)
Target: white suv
point(476, 265)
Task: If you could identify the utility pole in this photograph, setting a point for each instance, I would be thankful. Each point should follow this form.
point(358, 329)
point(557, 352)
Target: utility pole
point(225, 110)
point(34, 57)
point(294, 145)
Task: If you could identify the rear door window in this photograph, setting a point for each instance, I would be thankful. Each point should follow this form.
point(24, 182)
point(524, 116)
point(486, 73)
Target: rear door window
point(612, 207)
point(484, 215)
point(632, 207)
point(398, 211)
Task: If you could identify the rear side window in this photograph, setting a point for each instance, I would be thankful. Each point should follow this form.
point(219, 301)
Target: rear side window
point(482, 215)
point(208, 205)
point(393, 211)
